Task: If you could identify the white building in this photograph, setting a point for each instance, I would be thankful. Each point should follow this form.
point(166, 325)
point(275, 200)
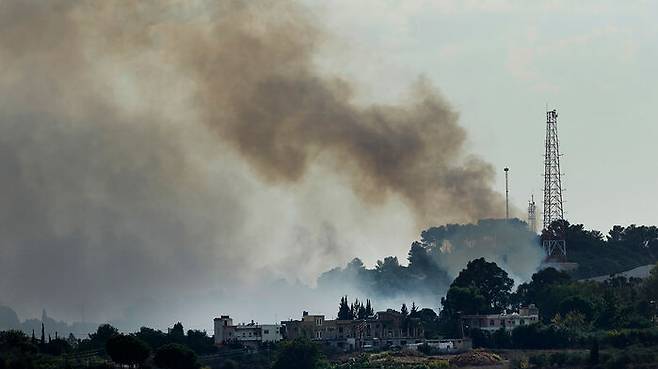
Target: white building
point(250, 334)
point(494, 322)
point(447, 345)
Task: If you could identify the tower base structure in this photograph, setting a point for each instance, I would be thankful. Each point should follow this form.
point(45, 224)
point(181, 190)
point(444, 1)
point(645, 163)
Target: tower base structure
point(555, 249)
point(556, 256)
point(563, 266)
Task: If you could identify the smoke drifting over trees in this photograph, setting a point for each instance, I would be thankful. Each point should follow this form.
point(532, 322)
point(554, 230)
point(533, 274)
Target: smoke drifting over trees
point(153, 147)
point(435, 260)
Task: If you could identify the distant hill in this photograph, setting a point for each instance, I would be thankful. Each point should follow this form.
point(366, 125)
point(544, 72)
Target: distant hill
point(9, 320)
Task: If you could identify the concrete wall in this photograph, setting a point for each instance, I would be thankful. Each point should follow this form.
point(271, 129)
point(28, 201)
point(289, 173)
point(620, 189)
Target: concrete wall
point(221, 324)
point(271, 333)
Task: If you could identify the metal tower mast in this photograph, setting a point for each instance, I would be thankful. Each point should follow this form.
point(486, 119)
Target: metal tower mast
point(532, 215)
point(554, 244)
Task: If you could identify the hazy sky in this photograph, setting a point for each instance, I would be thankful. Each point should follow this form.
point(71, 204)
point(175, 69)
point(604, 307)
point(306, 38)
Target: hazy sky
point(500, 62)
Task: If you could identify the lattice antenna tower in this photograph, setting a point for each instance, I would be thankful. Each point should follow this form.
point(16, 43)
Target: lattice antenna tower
point(554, 244)
point(532, 215)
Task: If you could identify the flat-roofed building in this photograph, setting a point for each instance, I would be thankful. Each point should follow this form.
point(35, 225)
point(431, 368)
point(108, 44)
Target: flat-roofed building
point(493, 322)
point(249, 334)
point(386, 328)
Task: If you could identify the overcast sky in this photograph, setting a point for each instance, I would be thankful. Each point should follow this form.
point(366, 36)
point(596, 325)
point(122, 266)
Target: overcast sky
point(500, 62)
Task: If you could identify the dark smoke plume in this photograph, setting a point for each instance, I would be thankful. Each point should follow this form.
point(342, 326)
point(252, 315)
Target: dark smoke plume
point(153, 147)
point(258, 88)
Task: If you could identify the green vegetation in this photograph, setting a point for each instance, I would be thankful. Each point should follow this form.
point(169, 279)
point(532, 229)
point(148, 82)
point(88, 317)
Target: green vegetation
point(175, 356)
point(481, 288)
point(299, 354)
point(623, 248)
point(127, 350)
point(104, 348)
point(596, 253)
point(356, 310)
point(610, 324)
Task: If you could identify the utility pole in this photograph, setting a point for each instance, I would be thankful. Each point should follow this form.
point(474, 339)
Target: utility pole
point(506, 193)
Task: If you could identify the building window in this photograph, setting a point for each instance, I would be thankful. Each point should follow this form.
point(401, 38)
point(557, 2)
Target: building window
point(522, 322)
point(266, 331)
point(491, 322)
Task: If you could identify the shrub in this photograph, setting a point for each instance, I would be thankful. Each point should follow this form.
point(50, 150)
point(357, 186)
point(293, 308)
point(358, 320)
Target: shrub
point(438, 364)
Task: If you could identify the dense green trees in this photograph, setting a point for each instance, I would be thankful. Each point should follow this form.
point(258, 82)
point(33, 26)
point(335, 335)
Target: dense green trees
point(98, 339)
point(356, 310)
point(428, 320)
point(489, 280)
point(597, 254)
point(623, 248)
point(16, 350)
point(127, 350)
point(344, 311)
point(572, 312)
point(298, 354)
point(175, 356)
point(425, 274)
point(481, 288)
point(19, 351)
point(198, 341)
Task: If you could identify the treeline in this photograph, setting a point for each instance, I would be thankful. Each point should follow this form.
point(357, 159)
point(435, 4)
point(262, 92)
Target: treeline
point(572, 312)
point(509, 243)
point(355, 310)
point(410, 317)
point(598, 254)
point(175, 349)
point(425, 273)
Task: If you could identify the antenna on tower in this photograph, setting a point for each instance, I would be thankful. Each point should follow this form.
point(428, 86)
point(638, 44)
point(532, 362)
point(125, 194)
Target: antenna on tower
point(506, 193)
point(553, 241)
point(532, 215)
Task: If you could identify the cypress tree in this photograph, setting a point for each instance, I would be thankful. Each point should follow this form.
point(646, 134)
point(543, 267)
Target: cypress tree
point(369, 311)
point(404, 311)
point(344, 311)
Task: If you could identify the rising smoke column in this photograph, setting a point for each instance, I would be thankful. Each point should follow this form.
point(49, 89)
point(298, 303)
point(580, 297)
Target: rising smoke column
point(134, 136)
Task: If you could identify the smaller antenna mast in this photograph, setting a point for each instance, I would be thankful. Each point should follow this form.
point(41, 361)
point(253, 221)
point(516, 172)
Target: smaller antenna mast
point(506, 193)
point(532, 215)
